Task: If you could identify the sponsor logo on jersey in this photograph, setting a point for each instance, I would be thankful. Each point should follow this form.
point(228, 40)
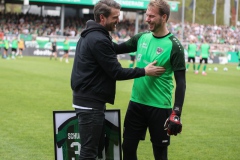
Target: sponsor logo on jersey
point(144, 45)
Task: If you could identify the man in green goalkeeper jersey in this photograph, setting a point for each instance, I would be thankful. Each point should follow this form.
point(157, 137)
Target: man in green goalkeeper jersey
point(66, 48)
point(6, 46)
point(14, 47)
point(192, 50)
point(204, 49)
point(150, 105)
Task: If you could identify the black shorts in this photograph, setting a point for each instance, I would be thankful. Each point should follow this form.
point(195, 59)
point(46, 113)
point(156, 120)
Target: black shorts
point(65, 51)
point(204, 59)
point(139, 117)
point(14, 50)
point(191, 58)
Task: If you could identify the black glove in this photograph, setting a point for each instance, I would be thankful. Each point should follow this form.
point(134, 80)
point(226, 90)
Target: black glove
point(173, 124)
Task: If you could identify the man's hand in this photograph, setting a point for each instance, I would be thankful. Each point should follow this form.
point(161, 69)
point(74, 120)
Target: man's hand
point(173, 124)
point(151, 70)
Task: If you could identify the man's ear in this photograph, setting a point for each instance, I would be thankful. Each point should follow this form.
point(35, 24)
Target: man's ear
point(101, 17)
point(165, 17)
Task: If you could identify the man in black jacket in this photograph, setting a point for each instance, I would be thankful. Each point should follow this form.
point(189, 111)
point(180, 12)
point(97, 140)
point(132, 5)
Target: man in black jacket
point(94, 74)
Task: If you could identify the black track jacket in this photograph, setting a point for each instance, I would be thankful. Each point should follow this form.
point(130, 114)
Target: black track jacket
point(96, 68)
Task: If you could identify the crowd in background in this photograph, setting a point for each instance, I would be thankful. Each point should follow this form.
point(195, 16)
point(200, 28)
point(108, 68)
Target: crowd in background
point(50, 26)
point(38, 25)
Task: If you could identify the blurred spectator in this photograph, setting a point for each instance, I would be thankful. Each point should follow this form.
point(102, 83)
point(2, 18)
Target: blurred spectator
point(21, 47)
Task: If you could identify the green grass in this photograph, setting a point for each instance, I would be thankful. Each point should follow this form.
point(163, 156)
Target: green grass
point(32, 88)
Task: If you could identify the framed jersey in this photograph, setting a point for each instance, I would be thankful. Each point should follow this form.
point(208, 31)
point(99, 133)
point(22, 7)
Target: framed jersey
point(67, 141)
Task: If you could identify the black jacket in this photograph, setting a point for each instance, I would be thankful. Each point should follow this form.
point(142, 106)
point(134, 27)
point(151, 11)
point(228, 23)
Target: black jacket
point(96, 68)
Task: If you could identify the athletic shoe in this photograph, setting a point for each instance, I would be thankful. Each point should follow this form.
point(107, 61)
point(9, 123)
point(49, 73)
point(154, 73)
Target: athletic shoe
point(196, 72)
point(67, 61)
point(204, 73)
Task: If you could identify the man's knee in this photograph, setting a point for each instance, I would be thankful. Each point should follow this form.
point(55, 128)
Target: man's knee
point(130, 149)
point(160, 152)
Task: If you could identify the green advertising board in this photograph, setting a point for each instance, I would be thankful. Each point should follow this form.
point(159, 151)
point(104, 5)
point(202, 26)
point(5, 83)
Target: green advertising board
point(131, 4)
point(26, 37)
point(140, 4)
point(232, 57)
point(173, 6)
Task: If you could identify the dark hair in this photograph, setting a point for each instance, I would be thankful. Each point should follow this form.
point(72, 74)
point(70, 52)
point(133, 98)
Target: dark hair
point(104, 7)
point(163, 7)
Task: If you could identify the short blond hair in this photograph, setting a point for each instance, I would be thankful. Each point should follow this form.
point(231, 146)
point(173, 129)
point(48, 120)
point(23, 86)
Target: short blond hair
point(163, 7)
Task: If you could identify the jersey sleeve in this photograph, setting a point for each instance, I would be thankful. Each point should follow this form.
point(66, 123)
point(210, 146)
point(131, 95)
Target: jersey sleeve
point(132, 42)
point(128, 46)
point(177, 58)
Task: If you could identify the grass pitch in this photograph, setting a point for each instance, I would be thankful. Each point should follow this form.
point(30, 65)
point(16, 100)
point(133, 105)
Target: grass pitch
point(31, 88)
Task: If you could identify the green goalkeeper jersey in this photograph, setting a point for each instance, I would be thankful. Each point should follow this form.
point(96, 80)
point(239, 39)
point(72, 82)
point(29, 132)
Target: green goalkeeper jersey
point(69, 139)
point(205, 50)
point(6, 44)
point(66, 45)
point(169, 53)
point(192, 50)
point(15, 44)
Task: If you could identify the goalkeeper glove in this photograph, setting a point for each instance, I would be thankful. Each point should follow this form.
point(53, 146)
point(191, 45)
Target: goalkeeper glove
point(173, 124)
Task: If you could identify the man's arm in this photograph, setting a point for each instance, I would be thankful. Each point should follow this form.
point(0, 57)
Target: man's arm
point(128, 46)
point(173, 124)
point(121, 48)
point(106, 58)
point(180, 78)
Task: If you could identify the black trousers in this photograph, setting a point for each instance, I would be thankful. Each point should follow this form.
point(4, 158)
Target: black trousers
point(91, 128)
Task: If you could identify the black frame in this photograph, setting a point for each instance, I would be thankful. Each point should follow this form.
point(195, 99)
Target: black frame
point(73, 112)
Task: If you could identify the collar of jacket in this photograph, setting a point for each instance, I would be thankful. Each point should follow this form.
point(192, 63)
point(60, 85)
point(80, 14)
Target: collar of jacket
point(94, 26)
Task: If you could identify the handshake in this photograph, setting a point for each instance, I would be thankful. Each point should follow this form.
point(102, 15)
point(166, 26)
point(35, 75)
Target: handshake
point(173, 124)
